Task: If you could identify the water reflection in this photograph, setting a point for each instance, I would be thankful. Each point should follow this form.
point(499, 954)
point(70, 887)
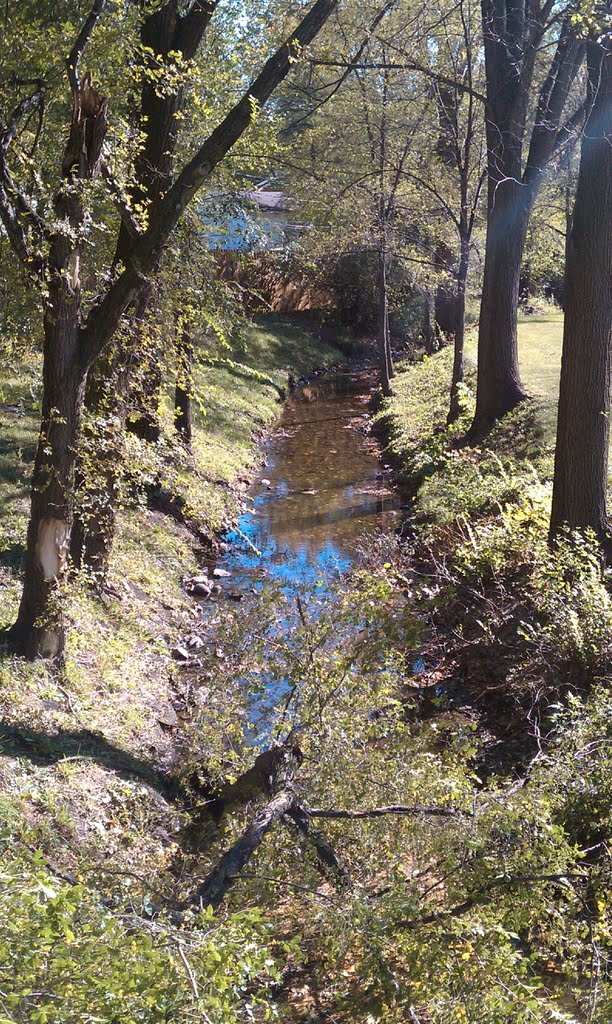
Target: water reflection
point(322, 491)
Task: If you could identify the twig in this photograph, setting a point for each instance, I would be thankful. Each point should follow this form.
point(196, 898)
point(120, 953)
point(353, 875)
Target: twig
point(190, 974)
point(292, 885)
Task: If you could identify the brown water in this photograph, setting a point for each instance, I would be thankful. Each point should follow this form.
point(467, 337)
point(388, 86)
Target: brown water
point(323, 490)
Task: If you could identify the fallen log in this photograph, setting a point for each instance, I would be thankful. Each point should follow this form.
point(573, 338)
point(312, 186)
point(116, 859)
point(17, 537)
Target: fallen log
point(323, 849)
point(216, 884)
point(261, 778)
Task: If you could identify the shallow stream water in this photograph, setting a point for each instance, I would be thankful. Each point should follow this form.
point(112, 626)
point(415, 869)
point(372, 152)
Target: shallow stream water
point(323, 490)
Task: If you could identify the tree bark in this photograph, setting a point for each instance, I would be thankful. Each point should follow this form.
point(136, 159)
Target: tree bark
point(446, 298)
point(384, 346)
point(184, 388)
point(216, 884)
point(511, 44)
point(114, 386)
point(40, 626)
point(583, 426)
point(459, 335)
point(499, 387)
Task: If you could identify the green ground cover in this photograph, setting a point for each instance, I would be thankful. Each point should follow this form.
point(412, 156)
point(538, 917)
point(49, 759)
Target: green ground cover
point(418, 410)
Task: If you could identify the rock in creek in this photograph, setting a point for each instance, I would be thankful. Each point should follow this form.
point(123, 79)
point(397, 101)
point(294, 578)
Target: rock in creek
point(167, 717)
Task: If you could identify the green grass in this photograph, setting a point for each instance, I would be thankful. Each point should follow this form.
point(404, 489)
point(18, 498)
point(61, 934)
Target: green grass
point(420, 441)
point(540, 339)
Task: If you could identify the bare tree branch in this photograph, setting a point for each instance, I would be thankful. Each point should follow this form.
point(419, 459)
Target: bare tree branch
point(347, 71)
point(401, 809)
point(323, 849)
point(25, 105)
point(407, 65)
point(74, 57)
point(484, 894)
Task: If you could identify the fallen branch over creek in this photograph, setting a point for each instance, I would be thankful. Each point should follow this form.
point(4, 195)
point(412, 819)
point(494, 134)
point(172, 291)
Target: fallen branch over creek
point(379, 812)
point(216, 884)
point(273, 774)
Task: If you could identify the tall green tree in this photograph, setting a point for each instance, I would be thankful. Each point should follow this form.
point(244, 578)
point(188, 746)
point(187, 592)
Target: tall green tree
point(54, 249)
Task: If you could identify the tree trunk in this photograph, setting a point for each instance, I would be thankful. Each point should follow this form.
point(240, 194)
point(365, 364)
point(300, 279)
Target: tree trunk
point(499, 386)
point(99, 459)
point(446, 297)
point(183, 389)
point(583, 427)
point(459, 335)
point(511, 45)
point(40, 629)
point(384, 346)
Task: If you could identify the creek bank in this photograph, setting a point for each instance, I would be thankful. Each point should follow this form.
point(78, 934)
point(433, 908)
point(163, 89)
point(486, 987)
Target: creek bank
point(116, 710)
point(322, 490)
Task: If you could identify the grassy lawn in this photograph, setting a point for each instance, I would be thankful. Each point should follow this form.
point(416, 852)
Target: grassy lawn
point(418, 409)
point(540, 340)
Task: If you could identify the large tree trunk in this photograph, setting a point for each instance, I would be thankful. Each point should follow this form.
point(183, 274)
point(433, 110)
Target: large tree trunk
point(40, 629)
point(583, 427)
point(512, 34)
point(163, 35)
point(499, 386)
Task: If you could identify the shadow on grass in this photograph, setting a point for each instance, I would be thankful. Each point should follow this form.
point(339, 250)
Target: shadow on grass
point(41, 748)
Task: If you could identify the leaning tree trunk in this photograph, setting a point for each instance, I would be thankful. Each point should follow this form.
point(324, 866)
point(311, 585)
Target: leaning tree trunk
point(583, 427)
point(499, 387)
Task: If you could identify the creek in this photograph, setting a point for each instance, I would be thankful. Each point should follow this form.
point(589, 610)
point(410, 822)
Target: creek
point(323, 490)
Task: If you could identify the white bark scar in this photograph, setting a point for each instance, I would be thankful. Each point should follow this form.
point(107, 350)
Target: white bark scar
point(52, 547)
